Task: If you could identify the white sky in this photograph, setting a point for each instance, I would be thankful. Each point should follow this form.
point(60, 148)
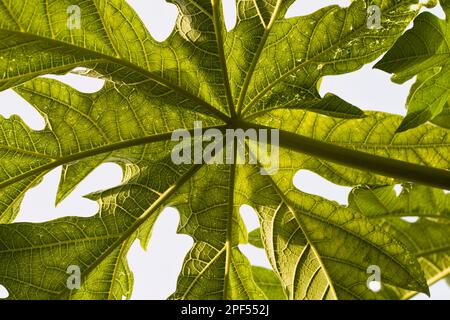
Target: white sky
point(156, 271)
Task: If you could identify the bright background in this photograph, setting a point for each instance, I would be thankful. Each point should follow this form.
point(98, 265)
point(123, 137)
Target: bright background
point(156, 270)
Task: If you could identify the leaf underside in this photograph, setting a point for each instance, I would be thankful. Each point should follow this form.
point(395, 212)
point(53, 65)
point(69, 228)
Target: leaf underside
point(266, 71)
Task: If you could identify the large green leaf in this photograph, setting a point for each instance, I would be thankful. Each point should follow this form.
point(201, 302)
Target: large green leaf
point(264, 73)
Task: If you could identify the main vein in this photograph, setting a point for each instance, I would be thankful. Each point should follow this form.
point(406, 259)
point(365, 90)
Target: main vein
point(255, 59)
point(401, 170)
point(218, 27)
point(93, 152)
point(147, 74)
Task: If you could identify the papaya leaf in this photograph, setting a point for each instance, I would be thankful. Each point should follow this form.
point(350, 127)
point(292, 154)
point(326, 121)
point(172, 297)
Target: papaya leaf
point(161, 99)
